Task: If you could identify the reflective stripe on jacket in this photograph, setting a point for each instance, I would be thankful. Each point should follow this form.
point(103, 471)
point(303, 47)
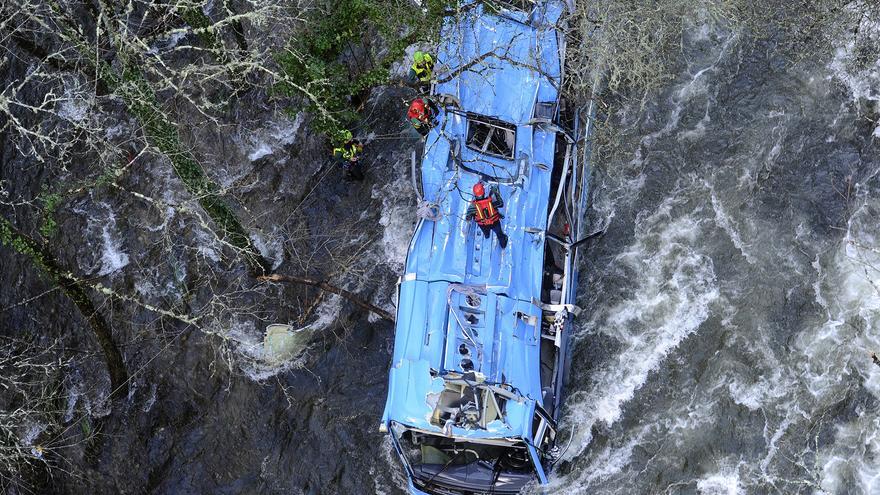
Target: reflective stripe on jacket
point(485, 214)
point(424, 71)
point(347, 151)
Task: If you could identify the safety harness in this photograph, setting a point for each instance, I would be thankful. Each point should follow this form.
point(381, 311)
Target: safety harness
point(486, 213)
point(418, 114)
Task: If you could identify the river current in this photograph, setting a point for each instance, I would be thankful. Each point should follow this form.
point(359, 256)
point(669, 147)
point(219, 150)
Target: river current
point(732, 305)
point(730, 308)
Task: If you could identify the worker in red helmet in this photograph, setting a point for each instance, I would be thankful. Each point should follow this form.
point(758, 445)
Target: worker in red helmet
point(484, 211)
point(422, 114)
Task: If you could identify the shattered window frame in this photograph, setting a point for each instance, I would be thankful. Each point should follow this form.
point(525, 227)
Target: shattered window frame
point(491, 137)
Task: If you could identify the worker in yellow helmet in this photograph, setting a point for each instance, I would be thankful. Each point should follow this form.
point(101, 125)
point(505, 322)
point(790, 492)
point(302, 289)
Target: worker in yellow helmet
point(347, 153)
point(422, 69)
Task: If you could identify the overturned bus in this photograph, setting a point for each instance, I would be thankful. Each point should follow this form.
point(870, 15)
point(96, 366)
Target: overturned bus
point(482, 334)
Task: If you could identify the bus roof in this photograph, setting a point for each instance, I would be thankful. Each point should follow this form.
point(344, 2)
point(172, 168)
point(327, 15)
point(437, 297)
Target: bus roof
point(461, 291)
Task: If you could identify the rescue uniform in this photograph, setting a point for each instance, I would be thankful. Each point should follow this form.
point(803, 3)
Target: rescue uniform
point(348, 154)
point(421, 114)
point(484, 211)
point(421, 72)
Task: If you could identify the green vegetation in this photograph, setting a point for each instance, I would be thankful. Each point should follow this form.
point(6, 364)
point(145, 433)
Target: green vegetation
point(10, 237)
point(86, 426)
point(48, 225)
point(162, 133)
point(317, 61)
point(200, 22)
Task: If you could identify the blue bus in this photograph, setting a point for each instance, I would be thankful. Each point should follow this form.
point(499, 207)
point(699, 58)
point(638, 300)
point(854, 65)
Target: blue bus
point(482, 332)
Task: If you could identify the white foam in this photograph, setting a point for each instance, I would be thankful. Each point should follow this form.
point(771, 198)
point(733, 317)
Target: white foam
point(720, 484)
point(677, 286)
point(113, 256)
point(397, 219)
point(151, 400)
point(72, 397)
point(31, 432)
point(756, 395)
point(76, 103)
point(611, 461)
point(206, 245)
point(276, 136)
point(772, 443)
point(726, 224)
point(262, 150)
point(29, 437)
point(167, 43)
point(392, 464)
point(838, 347)
point(862, 79)
point(270, 246)
point(246, 341)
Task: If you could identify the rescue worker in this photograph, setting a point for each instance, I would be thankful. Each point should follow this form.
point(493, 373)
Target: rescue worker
point(484, 211)
point(347, 155)
point(422, 114)
point(422, 69)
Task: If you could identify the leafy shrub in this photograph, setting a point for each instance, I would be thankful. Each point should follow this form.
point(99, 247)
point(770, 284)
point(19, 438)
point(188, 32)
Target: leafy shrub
point(314, 65)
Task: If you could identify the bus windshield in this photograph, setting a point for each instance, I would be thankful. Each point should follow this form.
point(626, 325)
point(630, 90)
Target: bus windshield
point(449, 465)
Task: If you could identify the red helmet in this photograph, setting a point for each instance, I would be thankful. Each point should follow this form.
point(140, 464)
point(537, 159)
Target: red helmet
point(479, 190)
point(417, 110)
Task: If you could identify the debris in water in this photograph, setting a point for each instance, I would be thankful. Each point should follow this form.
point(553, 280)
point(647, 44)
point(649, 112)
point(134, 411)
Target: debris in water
point(283, 342)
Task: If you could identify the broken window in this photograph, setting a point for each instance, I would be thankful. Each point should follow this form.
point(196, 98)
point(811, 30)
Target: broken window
point(545, 110)
point(491, 136)
point(428, 454)
point(468, 407)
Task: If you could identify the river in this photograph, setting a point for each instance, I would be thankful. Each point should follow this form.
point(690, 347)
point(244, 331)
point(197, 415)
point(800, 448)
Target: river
point(732, 305)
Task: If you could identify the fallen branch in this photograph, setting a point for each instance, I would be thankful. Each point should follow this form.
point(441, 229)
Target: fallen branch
point(351, 296)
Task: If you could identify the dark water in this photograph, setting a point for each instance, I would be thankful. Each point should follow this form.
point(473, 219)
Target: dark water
point(733, 303)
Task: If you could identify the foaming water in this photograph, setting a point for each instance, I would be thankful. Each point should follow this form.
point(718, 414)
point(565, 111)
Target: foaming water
point(837, 355)
point(734, 301)
point(720, 484)
point(677, 286)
